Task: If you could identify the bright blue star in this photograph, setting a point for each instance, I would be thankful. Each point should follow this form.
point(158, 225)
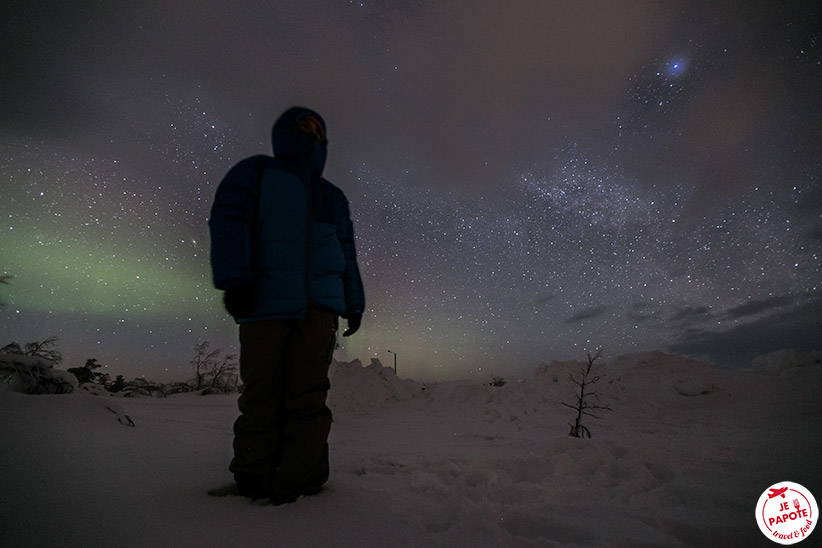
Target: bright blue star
point(676, 67)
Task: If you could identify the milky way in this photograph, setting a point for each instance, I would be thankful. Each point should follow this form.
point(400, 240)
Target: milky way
point(502, 217)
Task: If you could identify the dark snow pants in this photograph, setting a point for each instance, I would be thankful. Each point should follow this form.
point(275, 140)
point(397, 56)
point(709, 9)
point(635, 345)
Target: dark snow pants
point(281, 435)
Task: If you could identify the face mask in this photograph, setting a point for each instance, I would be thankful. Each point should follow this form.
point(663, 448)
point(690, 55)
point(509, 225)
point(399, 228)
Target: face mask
point(318, 157)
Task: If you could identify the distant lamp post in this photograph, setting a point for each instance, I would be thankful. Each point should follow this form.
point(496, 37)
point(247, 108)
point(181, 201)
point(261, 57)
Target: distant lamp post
point(395, 361)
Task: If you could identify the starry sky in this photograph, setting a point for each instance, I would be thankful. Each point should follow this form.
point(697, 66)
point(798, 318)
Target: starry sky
point(528, 180)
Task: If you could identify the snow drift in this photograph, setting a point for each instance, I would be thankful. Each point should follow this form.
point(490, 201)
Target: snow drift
point(33, 375)
point(681, 461)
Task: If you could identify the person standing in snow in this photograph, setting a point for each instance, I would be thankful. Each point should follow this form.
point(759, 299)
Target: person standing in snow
point(282, 249)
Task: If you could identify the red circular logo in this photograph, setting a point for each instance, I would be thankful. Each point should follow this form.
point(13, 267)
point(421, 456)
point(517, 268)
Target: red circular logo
point(787, 513)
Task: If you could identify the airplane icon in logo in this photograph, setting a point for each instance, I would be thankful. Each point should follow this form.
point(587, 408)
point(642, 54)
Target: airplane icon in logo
point(777, 492)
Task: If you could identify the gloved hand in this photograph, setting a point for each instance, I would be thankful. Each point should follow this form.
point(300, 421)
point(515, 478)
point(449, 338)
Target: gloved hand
point(353, 324)
point(239, 300)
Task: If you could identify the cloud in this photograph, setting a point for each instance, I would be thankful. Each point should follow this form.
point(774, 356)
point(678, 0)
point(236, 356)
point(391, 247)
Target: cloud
point(798, 327)
point(589, 313)
point(542, 301)
point(640, 312)
point(457, 95)
point(690, 315)
point(441, 93)
point(755, 307)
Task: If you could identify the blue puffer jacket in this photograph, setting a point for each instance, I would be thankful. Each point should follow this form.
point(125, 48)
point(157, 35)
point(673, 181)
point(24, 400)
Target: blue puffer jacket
point(277, 225)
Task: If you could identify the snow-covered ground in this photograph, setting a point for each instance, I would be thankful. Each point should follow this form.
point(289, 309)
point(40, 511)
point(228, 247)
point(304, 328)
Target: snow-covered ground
point(680, 461)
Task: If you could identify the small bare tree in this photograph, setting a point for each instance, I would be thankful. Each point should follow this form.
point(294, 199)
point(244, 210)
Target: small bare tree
point(39, 349)
point(224, 373)
point(583, 405)
point(213, 371)
point(203, 359)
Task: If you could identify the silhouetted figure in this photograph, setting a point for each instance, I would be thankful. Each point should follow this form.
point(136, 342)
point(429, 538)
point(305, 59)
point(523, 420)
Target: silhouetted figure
point(282, 248)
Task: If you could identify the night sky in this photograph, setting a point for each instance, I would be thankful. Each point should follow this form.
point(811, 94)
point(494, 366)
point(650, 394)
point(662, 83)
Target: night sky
point(528, 180)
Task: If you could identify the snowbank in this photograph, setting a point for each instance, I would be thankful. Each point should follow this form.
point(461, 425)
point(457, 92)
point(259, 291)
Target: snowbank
point(782, 360)
point(361, 389)
point(457, 464)
point(32, 375)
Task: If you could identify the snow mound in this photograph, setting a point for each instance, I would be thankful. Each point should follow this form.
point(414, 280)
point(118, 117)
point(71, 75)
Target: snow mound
point(659, 363)
point(776, 362)
point(95, 389)
point(694, 387)
point(33, 375)
point(457, 464)
point(460, 393)
point(684, 376)
point(362, 389)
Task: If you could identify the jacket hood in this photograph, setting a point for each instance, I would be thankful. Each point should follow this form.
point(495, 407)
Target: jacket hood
point(296, 146)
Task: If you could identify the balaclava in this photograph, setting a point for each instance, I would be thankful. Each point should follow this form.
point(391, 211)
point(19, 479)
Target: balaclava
point(299, 135)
